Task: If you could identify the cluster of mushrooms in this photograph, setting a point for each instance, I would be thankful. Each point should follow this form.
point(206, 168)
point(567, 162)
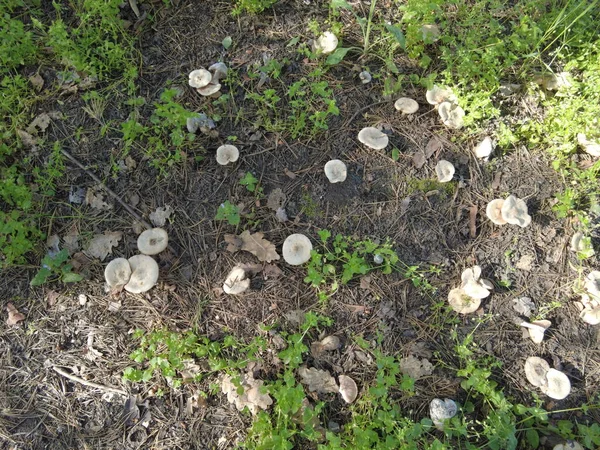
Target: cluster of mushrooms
point(207, 82)
point(554, 383)
point(589, 305)
point(467, 298)
point(139, 273)
point(511, 210)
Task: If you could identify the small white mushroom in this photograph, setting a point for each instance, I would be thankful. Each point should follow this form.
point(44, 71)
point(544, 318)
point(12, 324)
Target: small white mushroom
point(441, 410)
point(437, 95)
point(348, 388)
point(227, 153)
point(591, 316)
point(117, 272)
point(374, 138)
point(553, 81)
point(494, 211)
point(199, 78)
point(406, 105)
point(591, 147)
point(144, 274)
point(461, 302)
point(557, 385)
point(536, 329)
point(592, 283)
point(365, 77)
point(581, 243)
point(219, 71)
point(296, 249)
point(209, 89)
point(514, 211)
point(236, 281)
point(452, 115)
point(569, 445)
point(326, 43)
point(473, 285)
point(484, 148)
point(444, 171)
point(536, 370)
point(378, 259)
point(153, 241)
point(336, 171)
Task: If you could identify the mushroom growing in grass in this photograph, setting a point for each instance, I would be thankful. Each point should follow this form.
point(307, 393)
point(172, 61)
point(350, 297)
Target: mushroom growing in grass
point(473, 285)
point(514, 211)
point(558, 385)
point(296, 249)
point(199, 78)
point(335, 170)
point(461, 303)
point(452, 115)
point(153, 241)
point(209, 89)
point(444, 171)
point(326, 43)
point(591, 316)
point(227, 153)
point(365, 77)
point(484, 148)
point(406, 105)
point(590, 147)
point(117, 273)
point(569, 445)
point(348, 388)
point(592, 283)
point(494, 211)
point(373, 138)
point(144, 274)
point(441, 410)
point(536, 329)
point(236, 281)
point(535, 370)
point(437, 95)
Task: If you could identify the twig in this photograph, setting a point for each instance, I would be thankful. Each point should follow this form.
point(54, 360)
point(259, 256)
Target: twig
point(88, 383)
point(364, 108)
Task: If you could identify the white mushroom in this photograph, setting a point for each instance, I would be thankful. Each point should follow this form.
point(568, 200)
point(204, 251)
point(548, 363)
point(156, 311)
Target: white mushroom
point(406, 105)
point(582, 244)
point(335, 170)
point(227, 153)
point(374, 138)
point(484, 148)
point(365, 77)
point(437, 95)
point(326, 43)
point(536, 329)
point(514, 211)
point(591, 147)
point(153, 241)
point(348, 388)
point(441, 410)
point(444, 170)
point(473, 285)
point(117, 272)
point(536, 370)
point(144, 274)
point(569, 445)
point(451, 114)
point(296, 249)
point(199, 78)
point(591, 316)
point(236, 281)
point(494, 211)
point(592, 283)
point(553, 81)
point(201, 121)
point(209, 89)
point(219, 70)
point(557, 385)
point(461, 302)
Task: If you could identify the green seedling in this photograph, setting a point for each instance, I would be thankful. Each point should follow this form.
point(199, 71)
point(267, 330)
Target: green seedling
point(54, 268)
point(229, 212)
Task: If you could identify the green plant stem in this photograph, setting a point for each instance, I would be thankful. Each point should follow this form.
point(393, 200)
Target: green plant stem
point(369, 23)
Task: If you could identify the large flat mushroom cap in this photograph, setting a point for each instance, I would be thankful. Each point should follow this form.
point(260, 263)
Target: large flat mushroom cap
point(153, 241)
point(374, 138)
point(326, 43)
point(440, 410)
point(461, 302)
point(536, 370)
point(591, 316)
point(437, 95)
point(144, 274)
point(493, 211)
point(227, 153)
point(444, 171)
point(117, 272)
point(514, 211)
point(406, 105)
point(199, 78)
point(296, 249)
point(209, 89)
point(557, 386)
point(451, 114)
point(336, 171)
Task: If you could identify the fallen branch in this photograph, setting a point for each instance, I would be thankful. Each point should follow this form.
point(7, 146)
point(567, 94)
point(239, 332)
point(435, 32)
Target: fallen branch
point(88, 383)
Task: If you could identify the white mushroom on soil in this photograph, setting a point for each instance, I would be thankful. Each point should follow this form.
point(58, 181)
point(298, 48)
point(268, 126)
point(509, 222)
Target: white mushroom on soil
point(484, 148)
point(348, 388)
point(227, 153)
point(536, 329)
point(336, 171)
point(199, 78)
point(590, 147)
point(535, 370)
point(569, 445)
point(153, 241)
point(365, 77)
point(444, 171)
point(473, 285)
point(452, 115)
point(209, 89)
point(558, 385)
point(117, 273)
point(461, 302)
point(373, 138)
point(441, 410)
point(326, 43)
point(236, 281)
point(437, 95)
point(582, 243)
point(144, 274)
point(591, 316)
point(406, 105)
point(592, 283)
point(219, 71)
point(296, 249)
point(494, 211)
point(514, 211)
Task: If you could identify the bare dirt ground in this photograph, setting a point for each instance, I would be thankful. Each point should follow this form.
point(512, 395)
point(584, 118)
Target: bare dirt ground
point(82, 331)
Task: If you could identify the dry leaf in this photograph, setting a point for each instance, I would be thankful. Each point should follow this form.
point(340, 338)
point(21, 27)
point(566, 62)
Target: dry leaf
point(419, 159)
point(433, 146)
point(40, 123)
point(524, 305)
point(160, 216)
point(71, 242)
point(101, 245)
point(234, 243)
point(251, 396)
point(291, 175)
point(281, 215)
point(271, 271)
point(255, 244)
point(473, 221)
point(37, 82)
point(319, 381)
point(276, 199)
point(415, 367)
point(52, 298)
point(27, 139)
point(365, 282)
point(95, 198)
point(14, 316)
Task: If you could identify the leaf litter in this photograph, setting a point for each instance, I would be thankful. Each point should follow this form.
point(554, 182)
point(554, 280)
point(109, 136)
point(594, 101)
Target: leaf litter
point(254, 243)
point(101, 245)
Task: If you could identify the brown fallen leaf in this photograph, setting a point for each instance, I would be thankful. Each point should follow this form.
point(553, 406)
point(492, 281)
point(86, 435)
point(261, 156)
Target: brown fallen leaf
point(95, 198)
point(27, 139)
point(319, 381)
point(40, 123)
point(52, 298)
point(473, 221)
point(358, 309)
point(234, 243)
point(160, 216)
point(101, 245)
point(37, 82)
point(271, 271)
point(419, 159)
point(14, 316)
point(276, 199)
point(434, 145)
point(255, 244)
point(291, 175)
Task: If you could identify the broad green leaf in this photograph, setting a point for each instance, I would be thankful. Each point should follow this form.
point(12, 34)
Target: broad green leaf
point(41, 277)
point(227, 42)
point(398, 34)
point(395, 154)
point(533, 438)
point(293, 41)
point(337, 56)
point(340, 4)
point(71, 277)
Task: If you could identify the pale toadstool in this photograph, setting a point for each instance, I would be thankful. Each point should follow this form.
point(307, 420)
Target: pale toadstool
point(461, 302)
point(569, 445)
point(444, 171)
point(452, 115)
point(296, 249)
point(437, 95)
point(199, 78)
point(494, 211)
point(535, 370)
point(514, 211)
point(536, 329)
point(582, 244)
point(484, 148)
point(336, 171)
point(365, 77)
point(219, 70)
point(144, 274)
point(406, 105)
point(373, 138)
point(557, 385)
point(236, 281)
point(591, 316)
point(473, 285)
point(209, 89)
point(153, 241)
point(592, 283)
point(326, 43)
point(590, 147)
point(441, 410)
point(117, 272)
point(348, 388)
point(227, 153)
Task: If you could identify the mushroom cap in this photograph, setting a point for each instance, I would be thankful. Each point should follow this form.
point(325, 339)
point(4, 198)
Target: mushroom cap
point(440, 410)
point(493, 211)
point(365, 77)
point(536, 370)
point(199, 78)
point(117, 272)
point(438, 94)
point(199, 120)
point(219, 70)
point(144, 274)
point(451, 114)
point(536, 329)
point(296, 249)
point(444, 170)
point(592, 283)
point(348, 388)
point(557, 386)
point(590, 147)
point(331, 342)
point(576, 242)
point(461, 302)
point(153, 241)
point(591, 316)
point(374, 138)
point(476, 289)
point(484, 148)
point(236, 281)
point(209, 89)
point(227, 153)
point(335, 170)
point(514, 211)
point(326, 43)
point(406, 105)
point(569, 445)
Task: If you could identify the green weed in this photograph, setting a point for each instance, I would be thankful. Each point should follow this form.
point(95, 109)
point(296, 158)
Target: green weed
point(56, 267)
point(229, 212)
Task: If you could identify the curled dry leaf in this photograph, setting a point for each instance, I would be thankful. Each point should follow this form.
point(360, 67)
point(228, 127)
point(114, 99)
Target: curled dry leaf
point(253, 243)
point(319, 381)
point(95, 198)
point(101, 244)
point(276, 199)
point(251, 397)
point(348, 389)
point(523, 305)
point(160, 216)
point(415, 368)
point(14, 316)
point(328, 343)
